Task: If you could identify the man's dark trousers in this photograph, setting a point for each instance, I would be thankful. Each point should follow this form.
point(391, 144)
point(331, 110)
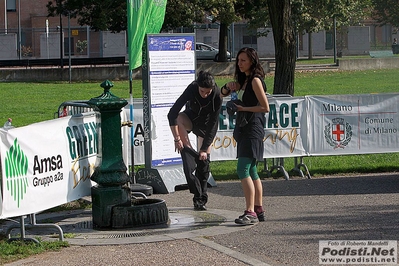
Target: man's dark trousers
point(198, 182)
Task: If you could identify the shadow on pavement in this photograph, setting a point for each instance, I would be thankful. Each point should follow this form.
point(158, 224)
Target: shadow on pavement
point(371, 184)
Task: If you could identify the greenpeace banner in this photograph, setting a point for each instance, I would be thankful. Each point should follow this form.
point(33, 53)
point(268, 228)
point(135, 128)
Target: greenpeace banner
point(353, 124)
point(286, 127)
point(47, 164)
point(285, 130)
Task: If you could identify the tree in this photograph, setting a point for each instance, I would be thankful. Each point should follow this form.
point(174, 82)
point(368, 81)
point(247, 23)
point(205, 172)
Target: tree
point(315, 15)
point(99, 15)
point(256, 15)
point(111, 14)
point(224, 12)
point(386, 11)
point(285, 44)
point(296, 16)
point(189, 12)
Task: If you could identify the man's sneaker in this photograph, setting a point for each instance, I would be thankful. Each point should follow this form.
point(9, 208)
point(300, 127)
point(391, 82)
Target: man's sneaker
point(261, 216)
point(246, 219)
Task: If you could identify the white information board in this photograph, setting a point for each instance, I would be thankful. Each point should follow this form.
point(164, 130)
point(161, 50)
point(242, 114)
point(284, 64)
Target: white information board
point(171, 68)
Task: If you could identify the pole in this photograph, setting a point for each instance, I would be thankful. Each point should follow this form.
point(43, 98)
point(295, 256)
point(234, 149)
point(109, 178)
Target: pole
point(88, 41)
point(297, 45)
point(233, 46)
point(5, 16)
point(335, 40)
point(132, 128)
point(61, 45)
point(48, 56)
point(69, 46)
point(19, 29)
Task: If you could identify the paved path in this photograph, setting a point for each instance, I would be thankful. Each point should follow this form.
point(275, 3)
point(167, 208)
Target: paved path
point(300, 212)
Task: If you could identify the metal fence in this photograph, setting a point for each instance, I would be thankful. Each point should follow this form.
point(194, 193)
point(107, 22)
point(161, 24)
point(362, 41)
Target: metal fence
point(39, 43)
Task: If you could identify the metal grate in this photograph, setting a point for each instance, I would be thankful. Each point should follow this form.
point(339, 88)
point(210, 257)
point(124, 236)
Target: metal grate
point(126, 235)
point(202, 225)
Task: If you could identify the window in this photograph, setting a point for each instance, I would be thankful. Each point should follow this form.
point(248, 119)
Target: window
point(11, 5)
point(207, 39)
point(329, 40)
point(250, 40)
point(203, 47)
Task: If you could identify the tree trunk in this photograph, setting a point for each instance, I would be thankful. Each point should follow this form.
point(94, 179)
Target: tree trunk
point(284, 44)
point(224, 30)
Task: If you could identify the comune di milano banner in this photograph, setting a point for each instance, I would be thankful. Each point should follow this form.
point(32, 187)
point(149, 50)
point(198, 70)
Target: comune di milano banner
point(353, 124)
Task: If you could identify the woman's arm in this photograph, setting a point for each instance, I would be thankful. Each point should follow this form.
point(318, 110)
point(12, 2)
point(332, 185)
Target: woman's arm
point(224, 91)
point(228, 88)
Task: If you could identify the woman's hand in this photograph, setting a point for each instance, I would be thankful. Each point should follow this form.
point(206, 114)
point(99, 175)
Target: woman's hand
point(239, 107)
point(233, 86)
point(203, 155)
point(178, 145)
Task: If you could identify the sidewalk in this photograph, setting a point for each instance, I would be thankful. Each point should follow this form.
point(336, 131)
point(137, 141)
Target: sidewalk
point(300, 212)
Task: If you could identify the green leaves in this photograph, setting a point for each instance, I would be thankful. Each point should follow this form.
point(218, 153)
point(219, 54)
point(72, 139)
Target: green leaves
point(386, 11)
point(315, 15)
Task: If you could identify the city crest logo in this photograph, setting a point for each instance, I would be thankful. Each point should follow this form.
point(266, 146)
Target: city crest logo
point(338, 133)
point(16, 169)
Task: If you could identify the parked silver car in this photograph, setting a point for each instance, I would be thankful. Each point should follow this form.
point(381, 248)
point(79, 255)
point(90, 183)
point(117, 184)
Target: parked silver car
point(204, 51)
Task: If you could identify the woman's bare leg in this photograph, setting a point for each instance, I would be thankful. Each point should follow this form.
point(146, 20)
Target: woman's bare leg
point(258, 192)
point(184, 124)
point(249, 193)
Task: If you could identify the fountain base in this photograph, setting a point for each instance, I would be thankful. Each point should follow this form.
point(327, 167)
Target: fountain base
point(142, 212)
point(104, 199)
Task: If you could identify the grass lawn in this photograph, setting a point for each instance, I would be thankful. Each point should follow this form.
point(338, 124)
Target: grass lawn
point(29, 103)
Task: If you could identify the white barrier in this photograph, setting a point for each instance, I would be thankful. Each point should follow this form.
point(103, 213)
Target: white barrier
point(308, 126)
point(49, 163)
point(353, 124)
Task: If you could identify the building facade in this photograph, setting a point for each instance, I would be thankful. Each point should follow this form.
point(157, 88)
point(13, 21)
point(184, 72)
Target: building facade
point(27, 32)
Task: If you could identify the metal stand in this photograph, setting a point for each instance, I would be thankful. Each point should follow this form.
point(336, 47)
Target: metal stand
point(298, 166)
point(32, 225)
point(278, 165)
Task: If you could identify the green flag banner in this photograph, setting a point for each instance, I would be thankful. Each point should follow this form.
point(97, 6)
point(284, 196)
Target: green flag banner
point(143, 16)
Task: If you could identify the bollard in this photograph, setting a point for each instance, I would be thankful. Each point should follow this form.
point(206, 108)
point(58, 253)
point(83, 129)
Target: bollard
point(112, 204)
point(111, 174)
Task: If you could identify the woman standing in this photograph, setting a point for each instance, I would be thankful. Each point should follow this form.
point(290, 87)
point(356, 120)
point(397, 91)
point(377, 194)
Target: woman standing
point(251, 90)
